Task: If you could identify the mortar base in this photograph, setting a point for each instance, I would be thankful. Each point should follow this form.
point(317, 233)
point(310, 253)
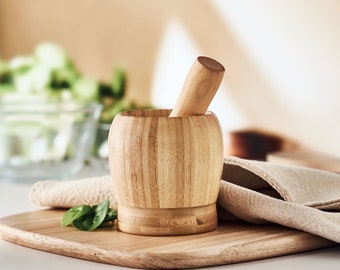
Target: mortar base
point(167, 221)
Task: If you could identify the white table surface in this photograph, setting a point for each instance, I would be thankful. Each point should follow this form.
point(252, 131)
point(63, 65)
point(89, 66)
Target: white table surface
point(14, 199)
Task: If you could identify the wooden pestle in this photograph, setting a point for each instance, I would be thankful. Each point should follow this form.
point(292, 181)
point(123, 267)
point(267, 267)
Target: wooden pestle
point(200, 87)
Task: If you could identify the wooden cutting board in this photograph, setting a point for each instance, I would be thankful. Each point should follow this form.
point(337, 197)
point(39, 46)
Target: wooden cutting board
point(231, 242)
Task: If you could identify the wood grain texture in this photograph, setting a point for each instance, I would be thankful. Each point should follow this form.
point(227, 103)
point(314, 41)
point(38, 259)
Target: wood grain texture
point(200, 87)
point(167, 221)
point(158, 162)
point(231, 242)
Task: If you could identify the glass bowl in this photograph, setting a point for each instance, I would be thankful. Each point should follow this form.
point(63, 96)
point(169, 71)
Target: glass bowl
point(99, 159)
point(45, 140)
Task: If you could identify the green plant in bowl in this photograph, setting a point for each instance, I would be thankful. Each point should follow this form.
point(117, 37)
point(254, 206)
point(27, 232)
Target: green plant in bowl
point(45, 140)
point(50, 75)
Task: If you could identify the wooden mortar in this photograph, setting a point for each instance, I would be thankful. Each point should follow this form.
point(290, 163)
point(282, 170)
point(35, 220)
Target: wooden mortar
point(166, 170)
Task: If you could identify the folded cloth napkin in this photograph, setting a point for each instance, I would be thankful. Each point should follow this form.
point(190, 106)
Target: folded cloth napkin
point(66, 194)
point(255, 191)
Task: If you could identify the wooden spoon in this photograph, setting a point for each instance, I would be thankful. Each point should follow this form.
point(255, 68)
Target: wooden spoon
point(200, 86)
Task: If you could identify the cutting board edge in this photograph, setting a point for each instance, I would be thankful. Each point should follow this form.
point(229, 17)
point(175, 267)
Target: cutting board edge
point(152, 260)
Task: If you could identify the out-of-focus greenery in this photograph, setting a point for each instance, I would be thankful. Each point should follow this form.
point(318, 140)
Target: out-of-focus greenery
point(50, 74)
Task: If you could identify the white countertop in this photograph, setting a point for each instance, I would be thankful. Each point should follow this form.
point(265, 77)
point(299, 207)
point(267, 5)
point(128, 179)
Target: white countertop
point(14, 199)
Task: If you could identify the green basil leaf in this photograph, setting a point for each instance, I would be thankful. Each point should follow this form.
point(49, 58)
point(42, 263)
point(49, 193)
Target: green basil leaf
point(84, 223)
point(93, 221)
point(111, 215)
point(75, 213)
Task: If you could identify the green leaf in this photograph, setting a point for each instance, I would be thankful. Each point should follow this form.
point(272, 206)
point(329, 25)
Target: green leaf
point(93, 221)
point(85, 89)
point(111, 215)
point(87, 218)
point(105, 90)
point(118, 83)
point(84, 223)
point(75, 213)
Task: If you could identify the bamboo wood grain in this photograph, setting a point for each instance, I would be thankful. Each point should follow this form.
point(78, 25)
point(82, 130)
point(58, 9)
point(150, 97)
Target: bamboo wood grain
point(166, 165)
point(231, 242)
point(172, 164)
point(200, 86)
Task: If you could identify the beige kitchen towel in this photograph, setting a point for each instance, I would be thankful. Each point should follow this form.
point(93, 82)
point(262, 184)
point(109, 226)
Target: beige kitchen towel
point(255, 191)
point(66, 194)
point(296, 197)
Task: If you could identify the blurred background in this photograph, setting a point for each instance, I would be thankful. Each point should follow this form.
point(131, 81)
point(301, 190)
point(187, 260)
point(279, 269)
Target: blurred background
point(282, 57)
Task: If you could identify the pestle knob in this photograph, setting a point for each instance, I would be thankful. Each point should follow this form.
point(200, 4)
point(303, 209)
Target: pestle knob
point(200, 86)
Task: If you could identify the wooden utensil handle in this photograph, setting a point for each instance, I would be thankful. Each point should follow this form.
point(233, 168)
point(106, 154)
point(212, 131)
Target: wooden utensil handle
point(200, 86)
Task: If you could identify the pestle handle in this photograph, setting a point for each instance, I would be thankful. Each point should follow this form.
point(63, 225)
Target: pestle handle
point(200, 87)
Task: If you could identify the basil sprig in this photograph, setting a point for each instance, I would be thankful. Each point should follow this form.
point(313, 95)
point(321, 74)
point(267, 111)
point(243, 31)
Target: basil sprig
point(88, 218)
